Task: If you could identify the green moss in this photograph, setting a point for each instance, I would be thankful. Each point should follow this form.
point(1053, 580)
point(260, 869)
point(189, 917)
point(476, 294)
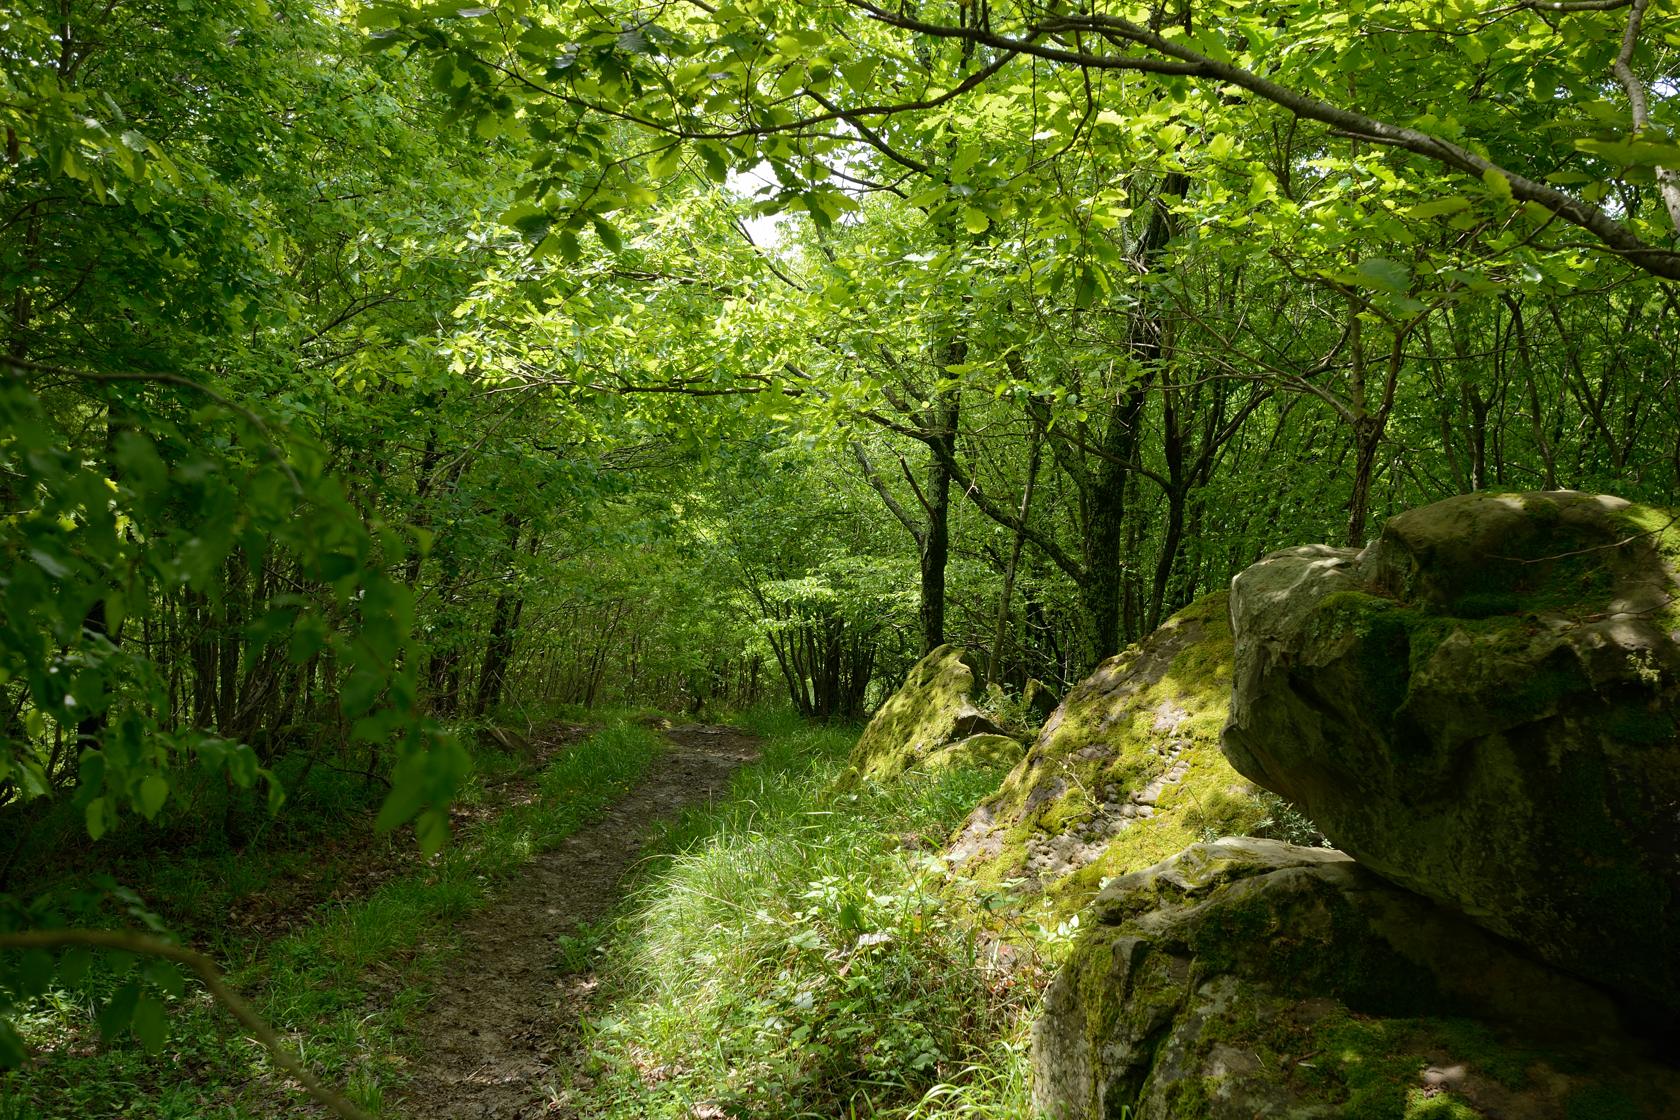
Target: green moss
point(1663, 528)
point(1383, 655)
point(1472, 1043)
point(1624, 897)
point(1134, 711)
point(1187, 1097)
point(1639, 724)
point(1442, 1106)
point(1375, 1068)
point(977, 752)
point(919, 718)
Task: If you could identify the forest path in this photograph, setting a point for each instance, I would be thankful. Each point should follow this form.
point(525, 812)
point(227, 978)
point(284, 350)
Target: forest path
point(498, 1031)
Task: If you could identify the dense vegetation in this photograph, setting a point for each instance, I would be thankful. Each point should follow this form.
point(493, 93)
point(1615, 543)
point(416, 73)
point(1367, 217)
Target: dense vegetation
point(375, 373)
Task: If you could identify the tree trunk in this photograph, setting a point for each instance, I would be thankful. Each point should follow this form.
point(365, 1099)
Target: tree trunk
point(1002, 630)
point(936, 541)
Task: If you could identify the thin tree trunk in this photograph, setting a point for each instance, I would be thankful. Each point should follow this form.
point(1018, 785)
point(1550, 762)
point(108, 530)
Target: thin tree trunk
point(1002, 630)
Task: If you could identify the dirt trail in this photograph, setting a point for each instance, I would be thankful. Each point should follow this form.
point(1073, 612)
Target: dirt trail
point(496, 1031)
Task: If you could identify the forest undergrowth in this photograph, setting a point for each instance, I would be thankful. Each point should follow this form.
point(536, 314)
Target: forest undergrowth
point(796, 949)
point(341, 977)
point(801, 949)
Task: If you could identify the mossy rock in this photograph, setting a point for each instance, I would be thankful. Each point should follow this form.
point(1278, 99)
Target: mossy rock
point(1484, 707)
point(934, 708)
point(1247, 977)
point(1125, 772)
point(1039, 698)
point(977, 752)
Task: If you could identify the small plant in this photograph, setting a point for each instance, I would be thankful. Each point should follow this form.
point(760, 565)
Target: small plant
point(1009, 711)
point(576, 952)
point(1283, 821)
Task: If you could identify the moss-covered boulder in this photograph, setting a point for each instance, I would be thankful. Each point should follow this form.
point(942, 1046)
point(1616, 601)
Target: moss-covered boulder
point(1125, 772)
point(935, 708)
point(1040, 699)
point(1482, 706)
point(977, 752)
point(1247, 978)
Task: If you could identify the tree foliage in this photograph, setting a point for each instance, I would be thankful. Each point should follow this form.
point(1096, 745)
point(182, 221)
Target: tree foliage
point(371, 371)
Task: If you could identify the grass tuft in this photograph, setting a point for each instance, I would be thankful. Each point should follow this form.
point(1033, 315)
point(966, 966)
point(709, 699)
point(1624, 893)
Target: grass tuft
point(794, 951)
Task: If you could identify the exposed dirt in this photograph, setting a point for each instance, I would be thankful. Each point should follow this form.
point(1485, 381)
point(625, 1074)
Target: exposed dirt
point(352, 865)
point(499, 1031)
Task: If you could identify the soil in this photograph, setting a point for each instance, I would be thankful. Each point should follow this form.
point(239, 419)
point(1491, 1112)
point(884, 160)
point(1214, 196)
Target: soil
point(352, 865)
point(501, 1029)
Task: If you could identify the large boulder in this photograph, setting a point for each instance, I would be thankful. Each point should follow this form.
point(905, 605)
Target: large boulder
point(1248, 978)
point(1126, 771)
point(1482, 706)
point(935, 708)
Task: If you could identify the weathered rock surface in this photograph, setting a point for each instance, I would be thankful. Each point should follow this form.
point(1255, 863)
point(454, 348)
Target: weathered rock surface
point(935, 708)
point(1247, 978)
point(1481, 706)
point(1126, 771)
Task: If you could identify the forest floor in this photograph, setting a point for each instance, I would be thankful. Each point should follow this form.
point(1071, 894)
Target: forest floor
point(502, 1030)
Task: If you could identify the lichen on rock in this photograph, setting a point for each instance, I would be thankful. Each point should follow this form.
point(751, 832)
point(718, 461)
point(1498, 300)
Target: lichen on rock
point(1484, 707)
point(1247, 977)
point(1126, 771)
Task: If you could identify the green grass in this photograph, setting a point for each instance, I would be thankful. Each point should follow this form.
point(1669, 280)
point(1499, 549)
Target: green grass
point(344, 986)
point(794, 951)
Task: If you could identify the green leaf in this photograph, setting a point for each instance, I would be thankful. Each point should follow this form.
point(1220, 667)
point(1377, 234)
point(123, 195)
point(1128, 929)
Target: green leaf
point(608, 235)
point(975, 219)
point(1383, 275)
point(1633, 152)
point(118, 1011)
point(404, 800)
point(1086, 287)
point(1439, 207)
point(98, 815)
point(74, 965)
point(1497, 184)
point(33, 973)
point(360, 692)
point(154, 791)
point(667, 162)
point(432, 830)
point(12, 1051)
point(243, 765)
point(49, 563)
point(167, 976)
point(860, 73)
point(149, 1023)
point(717, 166)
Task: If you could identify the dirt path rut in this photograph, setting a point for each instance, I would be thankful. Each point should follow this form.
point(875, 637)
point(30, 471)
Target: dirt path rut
point(495, 1033)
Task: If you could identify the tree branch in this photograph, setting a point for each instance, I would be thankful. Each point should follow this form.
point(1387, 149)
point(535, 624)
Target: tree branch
point(145, 945)
point(1187, 61)
point(1668, 182)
